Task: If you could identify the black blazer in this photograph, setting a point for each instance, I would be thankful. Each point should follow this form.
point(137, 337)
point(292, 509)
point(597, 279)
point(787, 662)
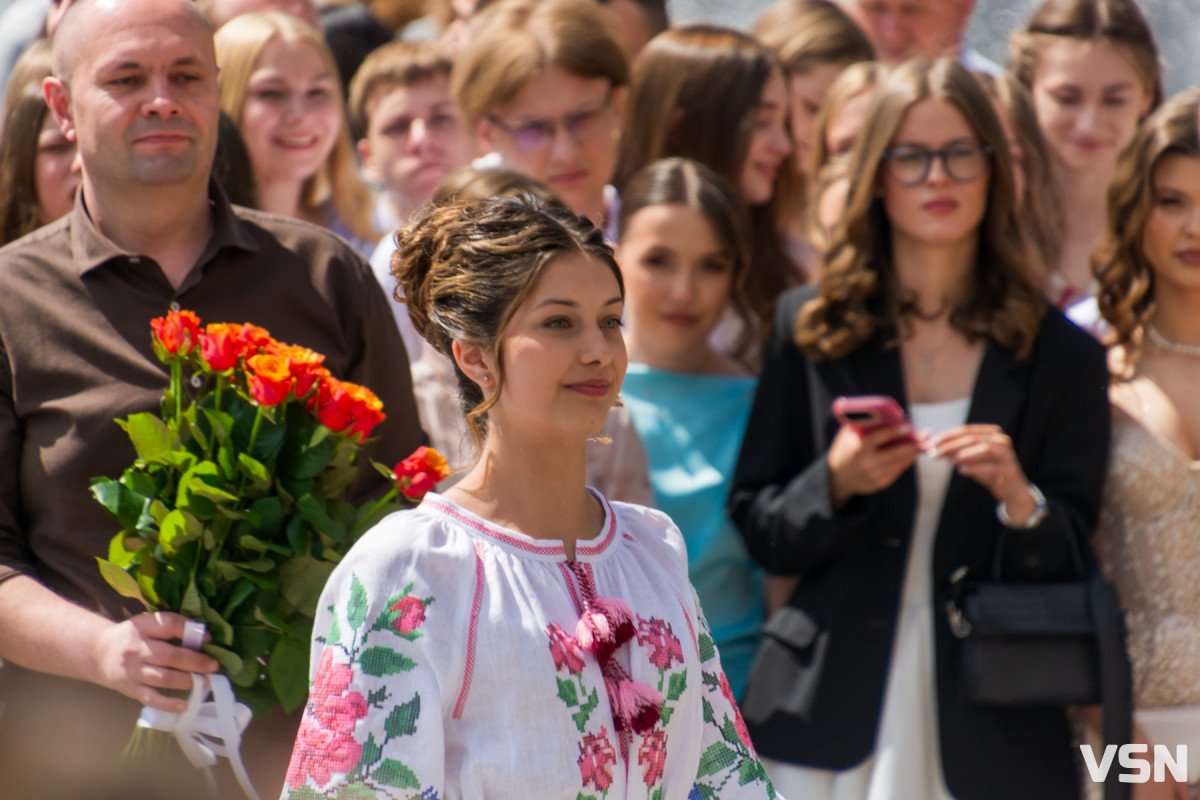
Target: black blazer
point(1054, 405)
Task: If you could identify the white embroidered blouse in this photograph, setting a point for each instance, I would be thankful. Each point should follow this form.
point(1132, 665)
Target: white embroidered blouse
point(446, 665)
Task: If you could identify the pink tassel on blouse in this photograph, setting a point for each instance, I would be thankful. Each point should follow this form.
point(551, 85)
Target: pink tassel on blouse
point(606, 624)
point(636, 706)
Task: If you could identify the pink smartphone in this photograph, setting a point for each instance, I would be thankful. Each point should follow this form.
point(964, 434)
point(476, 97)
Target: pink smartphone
point(864, 413)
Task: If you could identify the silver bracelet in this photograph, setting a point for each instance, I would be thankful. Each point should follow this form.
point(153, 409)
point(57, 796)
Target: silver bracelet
point(1035, 519)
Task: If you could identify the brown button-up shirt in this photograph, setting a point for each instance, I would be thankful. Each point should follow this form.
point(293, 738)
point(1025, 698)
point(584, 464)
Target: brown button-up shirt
point(75, 353)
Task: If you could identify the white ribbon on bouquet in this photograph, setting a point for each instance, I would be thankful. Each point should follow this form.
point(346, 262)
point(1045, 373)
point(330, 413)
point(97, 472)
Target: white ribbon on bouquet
point(207, 728)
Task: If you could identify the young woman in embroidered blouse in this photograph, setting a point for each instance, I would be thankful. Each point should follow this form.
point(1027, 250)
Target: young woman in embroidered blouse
point(519, 636)
point(1149, 297)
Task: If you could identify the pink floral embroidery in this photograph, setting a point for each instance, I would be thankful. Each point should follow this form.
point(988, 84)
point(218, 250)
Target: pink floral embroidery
point(412, 614)
point(742, 731)
point(564, 649)
point(325, 743)
point(661, 640)
point(596, 760)
point(652, 756)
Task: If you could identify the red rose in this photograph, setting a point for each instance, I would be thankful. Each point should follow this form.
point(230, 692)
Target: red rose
point(221, 346)
point(332, 404)
point(270, 379)
point(256, 339)
point(412, 614)
point(418, 474)
point(177, 333)
point(305, 366)
point(368, 410)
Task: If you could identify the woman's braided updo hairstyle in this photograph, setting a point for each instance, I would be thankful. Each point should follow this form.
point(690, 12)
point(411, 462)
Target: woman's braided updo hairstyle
point(464, 268)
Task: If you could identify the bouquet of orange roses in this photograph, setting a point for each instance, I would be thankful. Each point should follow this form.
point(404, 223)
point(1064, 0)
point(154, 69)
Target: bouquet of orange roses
point(233, 513)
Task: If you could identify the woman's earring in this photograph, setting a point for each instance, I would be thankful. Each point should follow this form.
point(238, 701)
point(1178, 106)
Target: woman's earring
point(485, 378)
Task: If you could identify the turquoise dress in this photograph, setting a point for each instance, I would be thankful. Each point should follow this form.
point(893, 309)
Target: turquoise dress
point(692, 426)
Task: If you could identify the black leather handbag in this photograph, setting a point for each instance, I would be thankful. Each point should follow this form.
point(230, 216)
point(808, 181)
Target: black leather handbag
point(1045, 644)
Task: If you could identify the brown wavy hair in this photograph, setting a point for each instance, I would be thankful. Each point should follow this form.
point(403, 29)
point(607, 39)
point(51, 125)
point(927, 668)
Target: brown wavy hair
point(1126, 277)
point(858, 294)
point(1039, 211)
point(695, 94)
point(465, 268)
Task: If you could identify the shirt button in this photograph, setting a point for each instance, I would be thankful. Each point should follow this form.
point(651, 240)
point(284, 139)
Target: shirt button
point(197, 381)
point(174, 306)
point(135, 259)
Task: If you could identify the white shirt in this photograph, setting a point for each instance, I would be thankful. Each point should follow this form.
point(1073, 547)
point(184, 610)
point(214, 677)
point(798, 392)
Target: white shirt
point(444, 666)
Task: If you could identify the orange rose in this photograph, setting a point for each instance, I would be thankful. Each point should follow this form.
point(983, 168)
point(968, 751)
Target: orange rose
point(367, 414)
point(221, 346)
point(346, 407)
point(305, 366)
point(418, 474)
point(270, 379)
point(177, 333)
point(256, 339)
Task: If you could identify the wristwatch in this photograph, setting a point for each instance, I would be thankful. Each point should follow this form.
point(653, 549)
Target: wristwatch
point(1035, 519)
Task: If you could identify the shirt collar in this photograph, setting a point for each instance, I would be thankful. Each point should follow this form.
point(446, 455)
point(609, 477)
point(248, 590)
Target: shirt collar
point(90, 248)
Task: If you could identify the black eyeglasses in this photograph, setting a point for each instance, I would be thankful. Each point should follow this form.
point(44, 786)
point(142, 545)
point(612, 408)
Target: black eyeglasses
point(537, 134)
point(909, 165)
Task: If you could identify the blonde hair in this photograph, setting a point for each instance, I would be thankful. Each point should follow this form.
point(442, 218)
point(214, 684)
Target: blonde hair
point(513, 41)
point(239, 44)
point(1126, 288)
point(858, 293)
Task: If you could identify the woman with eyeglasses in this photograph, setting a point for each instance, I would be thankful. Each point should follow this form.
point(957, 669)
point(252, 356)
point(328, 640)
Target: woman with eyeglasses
point(542, 84)
point(928, 300)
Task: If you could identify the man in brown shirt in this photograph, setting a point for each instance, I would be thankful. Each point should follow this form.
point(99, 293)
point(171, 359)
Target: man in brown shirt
point(136, 87)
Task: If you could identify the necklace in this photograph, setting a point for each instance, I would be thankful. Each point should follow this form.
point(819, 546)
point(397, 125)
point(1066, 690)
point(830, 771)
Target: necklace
point(1169, 346)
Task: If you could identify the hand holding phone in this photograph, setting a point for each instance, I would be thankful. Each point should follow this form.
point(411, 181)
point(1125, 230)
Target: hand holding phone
point(870, 412)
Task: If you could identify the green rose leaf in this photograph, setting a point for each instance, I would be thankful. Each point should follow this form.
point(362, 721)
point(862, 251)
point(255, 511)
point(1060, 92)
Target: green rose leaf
point(256, 471)
point(175, 531)
point(301, 581)
point(125, 584)
point(151, 437)
point(288, 670)
point(190, 607)
point(393, 773)
point(125, 505)
point(380, 661)
point(313, 510)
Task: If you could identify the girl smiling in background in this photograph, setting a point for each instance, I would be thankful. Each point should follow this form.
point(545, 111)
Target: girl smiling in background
point(683, 254)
